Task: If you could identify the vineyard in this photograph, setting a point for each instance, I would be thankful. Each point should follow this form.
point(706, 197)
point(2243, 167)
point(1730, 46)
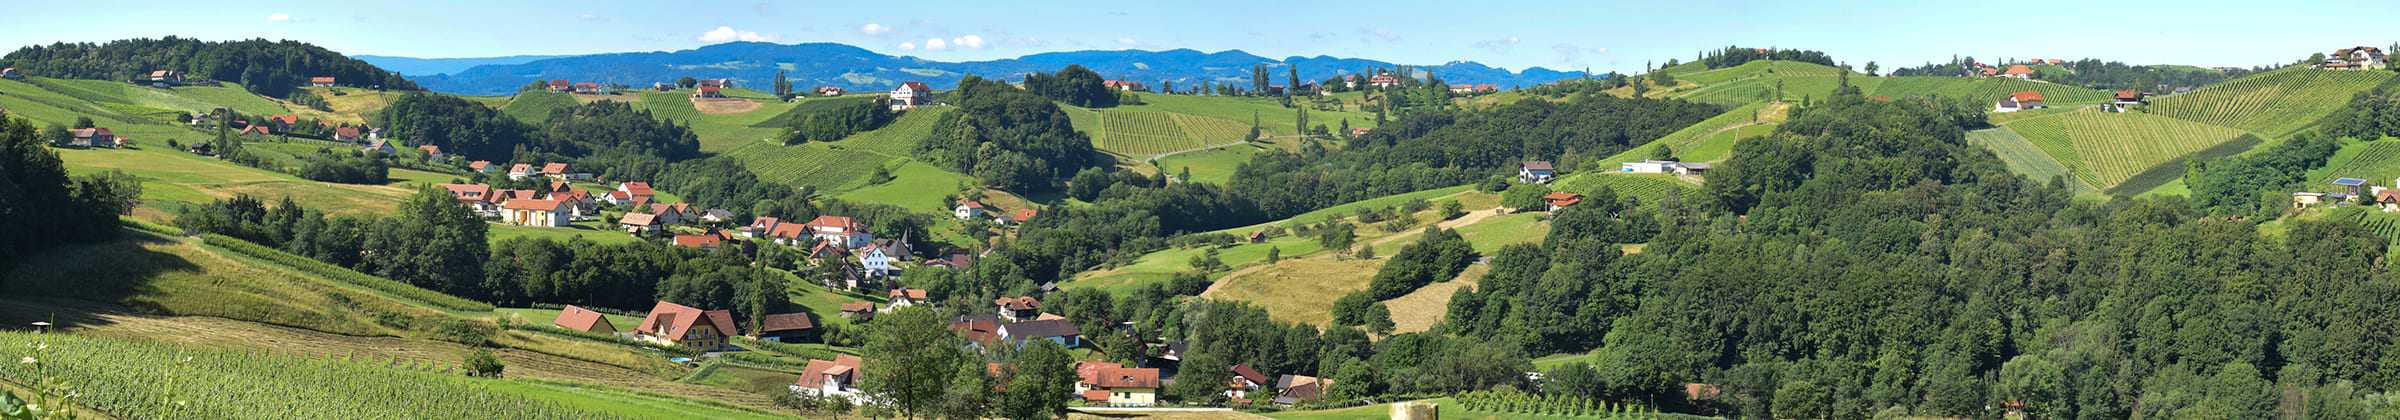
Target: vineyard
point(820, 165)
point(2275, 104)
point(1148, 133)
point(1984, 90)
point(2376, 161)
point(533, 107)
point(2023, 157)
point(900, 137)
point(2107, 149)
point(1521, 403)
point(152, 380)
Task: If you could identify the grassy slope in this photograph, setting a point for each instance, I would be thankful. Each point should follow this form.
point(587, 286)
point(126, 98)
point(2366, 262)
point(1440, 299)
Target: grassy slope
point(1213, 166)
point(171, 178)
point(2274, 104)
point(2024, 158)
point(2375, 161)
point(181, 276)
point(1162, 265)
point(1985, 89)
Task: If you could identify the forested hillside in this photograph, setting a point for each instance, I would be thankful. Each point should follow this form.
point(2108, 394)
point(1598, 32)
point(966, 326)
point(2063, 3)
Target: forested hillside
point(267, 68)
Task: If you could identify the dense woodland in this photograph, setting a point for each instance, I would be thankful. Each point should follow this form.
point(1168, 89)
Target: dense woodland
point(1073, 85)
point(1008, 138)
point(2111, 75)
point(610, 139)
point(266, 68)
point(41, 207)
point(839, 120)
point(2370, 115)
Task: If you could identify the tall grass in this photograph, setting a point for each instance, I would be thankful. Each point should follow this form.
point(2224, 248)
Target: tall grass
point(345, 275)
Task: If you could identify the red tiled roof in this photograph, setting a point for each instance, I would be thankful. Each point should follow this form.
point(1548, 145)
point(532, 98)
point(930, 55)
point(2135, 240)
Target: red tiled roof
point(285, 118)
point(579, 319)
point(2128, 94)
point(1127, 378)
point(1539, 165)
point(469, 192)
point(321, 80)
point(845, 223)
point(520, 168)
point(708, 88)
point(554, 168)
point(917, 86)
point(636, 188)
point(2017, 69)
point(1020, 303)
point(858, 306)
point(972, 204)
point(2026, 96)
point(640, 219)
point(1562, 198)
point(1024, 215)
point(697, 241)
point(1088, 371)
point(529, 204)
point(555, 84)
point(789, 231)
point(479, 165)
point(785, 322)
point(674, 321)
point(913, 294)
point(1096, 395)
point(818, 371)
point(345, 132)
point(430, 149)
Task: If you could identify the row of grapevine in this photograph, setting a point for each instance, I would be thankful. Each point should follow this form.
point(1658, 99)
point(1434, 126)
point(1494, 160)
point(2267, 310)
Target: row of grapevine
point(815, 164)
point(2105, 149)
point(144, 380)
point(2276, 103)
point(1519, 402)
point(2376, 161)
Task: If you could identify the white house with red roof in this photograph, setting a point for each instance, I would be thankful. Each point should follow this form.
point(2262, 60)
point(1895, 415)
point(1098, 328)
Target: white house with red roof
point(561, 86)
point(320, 81)
point(911, 95)
point(708, 92)
point(93, 137)
point(839, 230)
point(577, 318)
point(535, 212)
point(474, 196)
point(832, 378)
point(678, 325)
point(876, 261)
point(967, 209)
point(1383, 80)
point(519, 172)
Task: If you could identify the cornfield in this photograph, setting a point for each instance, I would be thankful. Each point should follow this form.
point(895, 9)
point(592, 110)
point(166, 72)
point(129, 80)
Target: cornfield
point(155, 380)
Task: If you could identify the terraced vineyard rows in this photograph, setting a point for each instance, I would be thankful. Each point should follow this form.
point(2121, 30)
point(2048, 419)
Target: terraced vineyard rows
point(815, 164)
point(1211, 131)
point(2274, 104)
point(1138, 133)
point(152, 380)
point(900, 138)
point(2105, 149)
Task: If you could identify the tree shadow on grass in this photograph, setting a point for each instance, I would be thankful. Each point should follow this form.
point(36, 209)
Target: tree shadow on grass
point(70, 285)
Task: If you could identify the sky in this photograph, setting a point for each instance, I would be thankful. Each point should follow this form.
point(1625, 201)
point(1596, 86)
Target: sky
point(1562, 35)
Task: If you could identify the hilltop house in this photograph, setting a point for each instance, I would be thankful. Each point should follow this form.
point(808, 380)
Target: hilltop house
point(2018, 71)
point(561, 86)
point(911, 95)
point(320, 81)
point(678, 325)
point(967, 209)
point(831, 378)
point(2356, 58)
point(708, 92)
point(1663, 166)
point(586, 88)
point(93, 137)
point(1383, 80)
point(1122, 85)
point(662, 86)
point(1536, 172)
point(579, 319)
point(534, 212)
point(165, 78)
point(2020, 101)
point(829, 91)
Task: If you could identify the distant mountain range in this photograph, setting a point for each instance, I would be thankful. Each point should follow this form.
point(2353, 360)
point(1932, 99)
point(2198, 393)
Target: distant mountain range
point(418, 67)
point(753, 64)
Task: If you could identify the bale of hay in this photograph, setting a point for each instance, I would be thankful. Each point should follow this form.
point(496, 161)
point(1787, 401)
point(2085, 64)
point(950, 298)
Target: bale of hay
point(1416, 410)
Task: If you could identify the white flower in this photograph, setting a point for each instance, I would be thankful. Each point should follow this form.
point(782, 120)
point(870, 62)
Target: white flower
point(27, 360)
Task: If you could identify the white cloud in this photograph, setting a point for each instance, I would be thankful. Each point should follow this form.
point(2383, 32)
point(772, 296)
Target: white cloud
point(874, 29)
point(727, 33)
point(908, 46)
point(1377, 34)
point(1128, 41)
point(279, 17)
point(936, 44)
point(968, 42)
point(1500, 45)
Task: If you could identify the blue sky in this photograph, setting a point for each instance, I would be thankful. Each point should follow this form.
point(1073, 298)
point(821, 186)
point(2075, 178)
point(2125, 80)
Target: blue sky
point(1602, 35)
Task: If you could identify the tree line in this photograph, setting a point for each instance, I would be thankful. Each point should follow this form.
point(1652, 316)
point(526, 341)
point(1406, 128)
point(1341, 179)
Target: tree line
point(50, 208)
point(1008, 138)
point(611, 139)
point(272, 68)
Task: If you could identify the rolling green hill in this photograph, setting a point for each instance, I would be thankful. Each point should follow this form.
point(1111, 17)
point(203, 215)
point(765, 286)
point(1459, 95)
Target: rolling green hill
point(2375, 161)
point(1987, 89)
point(2274, 104)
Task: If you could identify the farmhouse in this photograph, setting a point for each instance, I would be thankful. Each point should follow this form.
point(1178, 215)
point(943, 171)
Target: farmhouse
point(320, 81)
point(561, 86)
point(831, 378)
point(1123, 387)
point(967, 209)
point(1123, 85)
point(1021, 308)
point(579, 319)
point(94, 137)
point(1019, 216)
point(841, 231)
point(1536, 172)
point(708, 92)
point(346, 133)
point(533, 212)
point(1294, 389)
point(254, 131)
point(829, 91)
point(875, 261)
point(902, 297)
point(2356, 58)
point(2020, 101)
point(1561, 199)
point(638, 223)
point(911, 95)
point(286, 120)
point(858, 310)
point(586, 88)
point(786, 328)
point(678, 325)
point(2128, 97)
point(1245, 381)
point(2388, 199)
point(165, 78)
point(2018, 71)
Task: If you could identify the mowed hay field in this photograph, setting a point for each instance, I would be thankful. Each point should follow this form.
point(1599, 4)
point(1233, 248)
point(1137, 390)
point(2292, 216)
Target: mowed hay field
point(2274, 104)
point(2107, 149)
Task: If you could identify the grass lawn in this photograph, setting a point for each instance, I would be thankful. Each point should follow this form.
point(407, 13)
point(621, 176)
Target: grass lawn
point(1214, 166)
point(621, 402)
point(825, 303)
point(586, 230)
point(748, 379)
point(540, 316)
point(915, 186)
